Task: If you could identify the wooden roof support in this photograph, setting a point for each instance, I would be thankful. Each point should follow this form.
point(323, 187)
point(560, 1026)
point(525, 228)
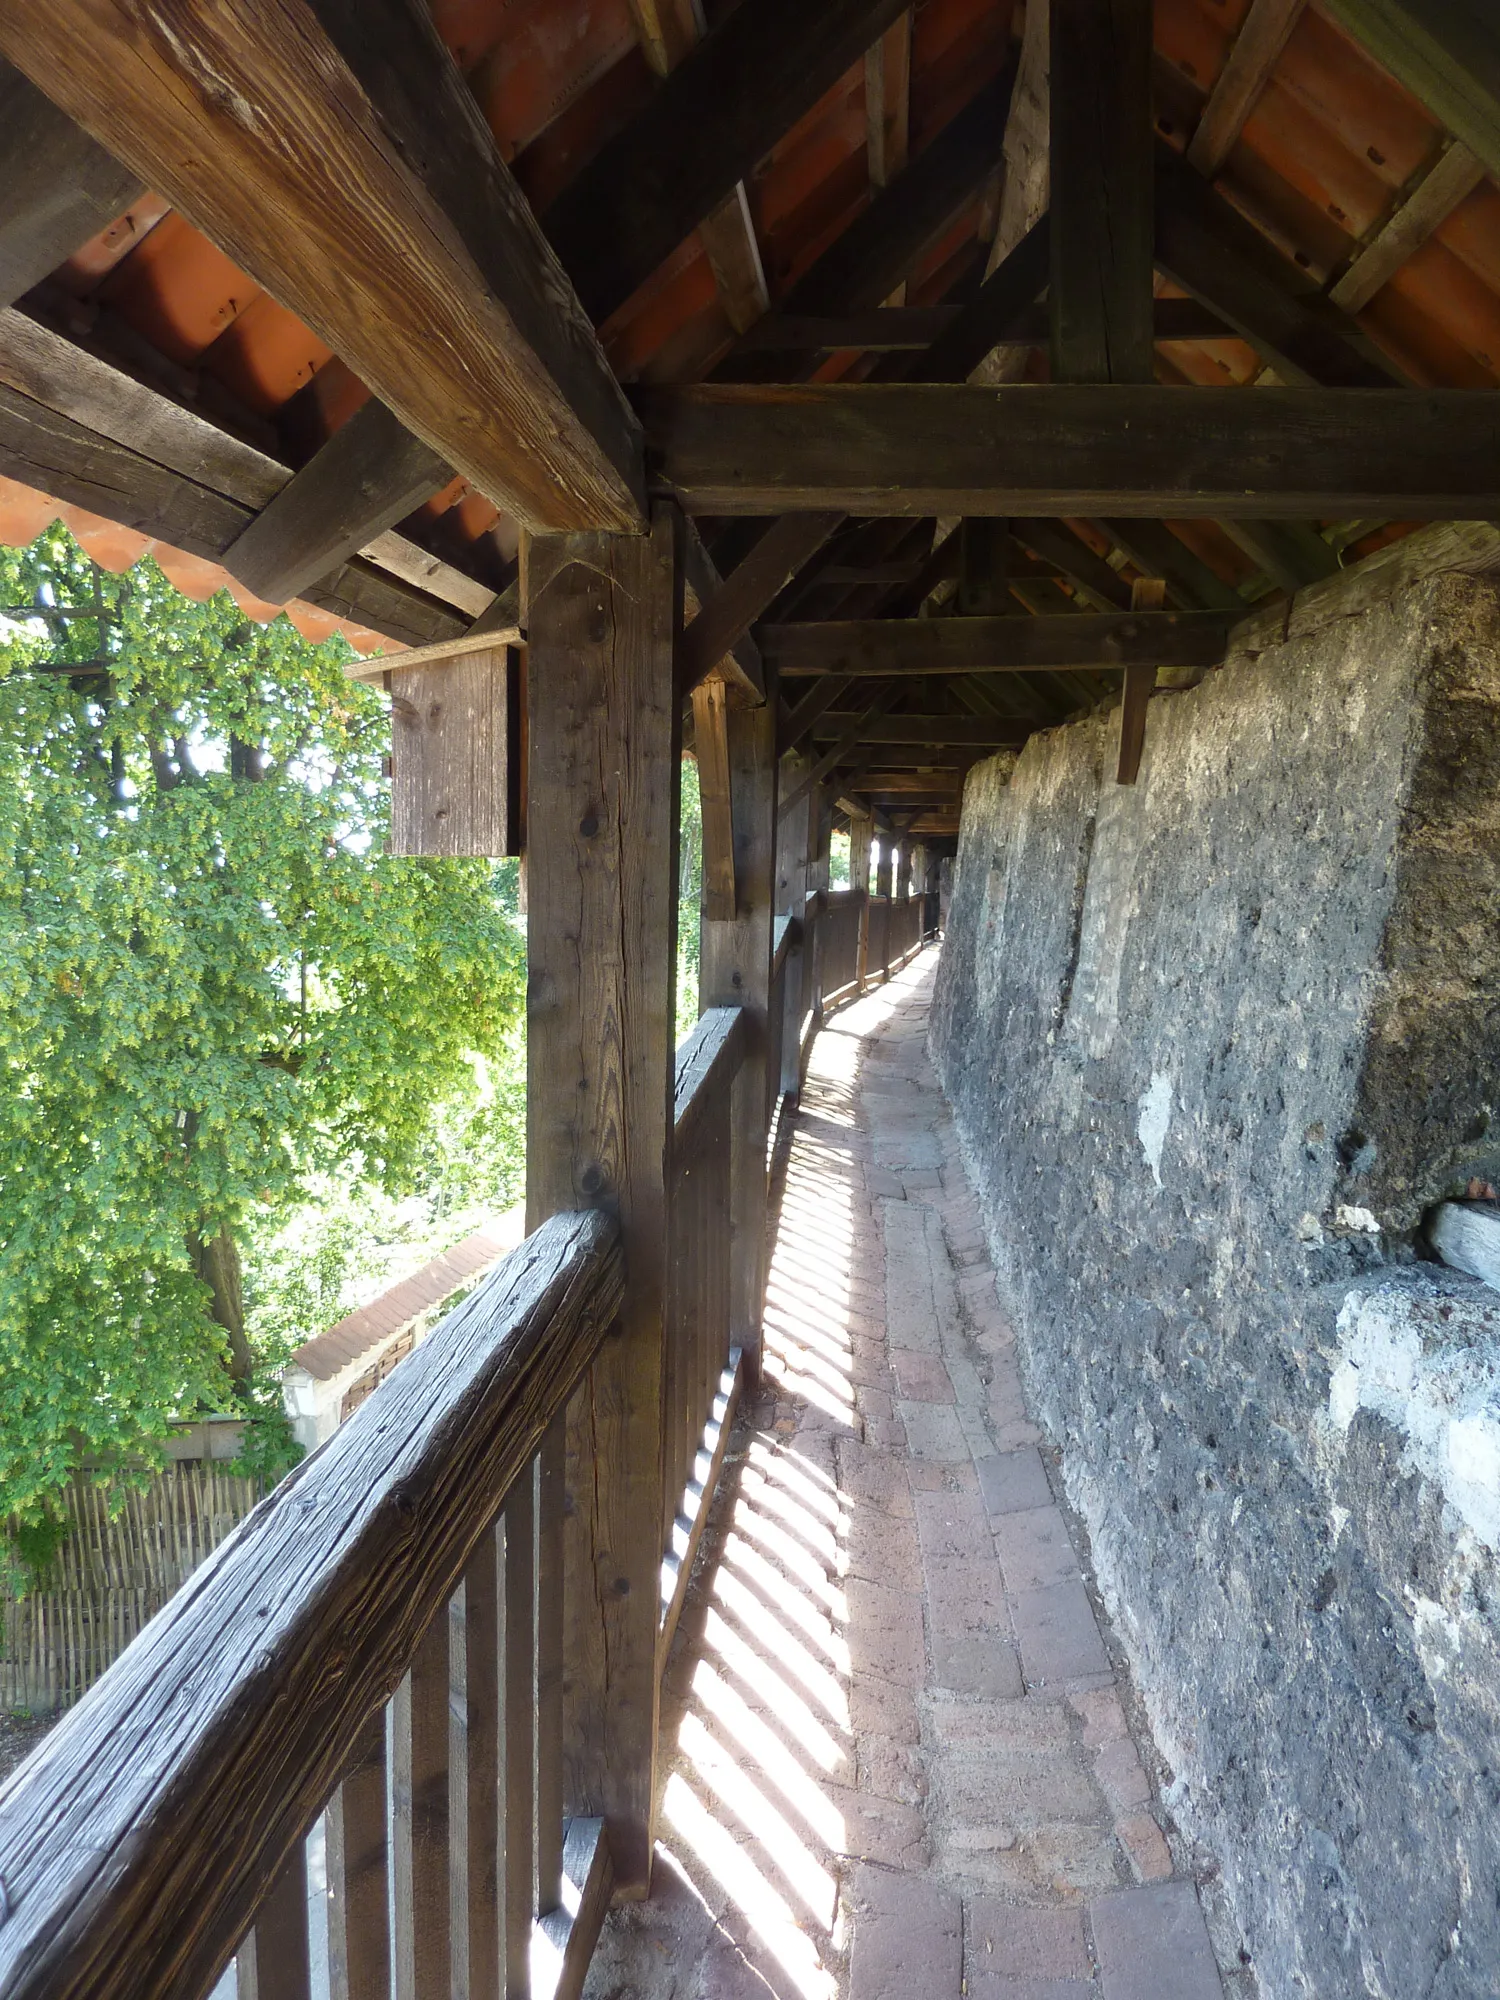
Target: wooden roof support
point(1452, 180)
point(837, 754)
point(1068, 450)
point(1445, 53)
point(57, 186)
point(1156, 551)
point(888, 101)
point(1101, 178)
point(898, 648)
point(725, 616)
point(938, 732)
point(711, 747)
point(336, 153)
point(1263, 34)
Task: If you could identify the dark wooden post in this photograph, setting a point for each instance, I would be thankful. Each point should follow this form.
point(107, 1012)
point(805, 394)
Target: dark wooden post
point(861, 828)
point(817, 880)
point(735, 971)
point(883, 897)
point(796, 841)
point(602, 834)
point(903, 872)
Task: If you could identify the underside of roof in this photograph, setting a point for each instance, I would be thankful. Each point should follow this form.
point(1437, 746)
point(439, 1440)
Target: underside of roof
point(867, 222)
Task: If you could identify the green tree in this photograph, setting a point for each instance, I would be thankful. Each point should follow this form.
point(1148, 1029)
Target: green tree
point(215, 988)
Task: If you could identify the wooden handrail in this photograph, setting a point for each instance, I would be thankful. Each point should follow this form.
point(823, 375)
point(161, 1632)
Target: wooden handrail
point(786, 936)
point(138, 1842)
point(706, 1061)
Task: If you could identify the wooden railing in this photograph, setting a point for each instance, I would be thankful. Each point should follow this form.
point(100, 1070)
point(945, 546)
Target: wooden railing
point(853, 939)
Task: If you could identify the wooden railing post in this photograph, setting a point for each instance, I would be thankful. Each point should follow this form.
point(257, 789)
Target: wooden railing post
point(861, 830)
point(602, 885)
point(735, 971)
point(817, 881)
point(796, 841)
point(903, 872)
point(883, 897)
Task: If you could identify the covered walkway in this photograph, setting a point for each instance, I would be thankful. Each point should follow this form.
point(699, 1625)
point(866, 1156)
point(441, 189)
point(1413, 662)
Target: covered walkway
point(901, 1753)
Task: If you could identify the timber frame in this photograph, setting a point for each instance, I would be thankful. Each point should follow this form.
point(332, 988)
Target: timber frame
point(632, 418)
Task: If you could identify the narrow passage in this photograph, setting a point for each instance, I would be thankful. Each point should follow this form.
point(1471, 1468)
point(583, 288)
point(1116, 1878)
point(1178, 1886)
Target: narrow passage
point(901, 1760)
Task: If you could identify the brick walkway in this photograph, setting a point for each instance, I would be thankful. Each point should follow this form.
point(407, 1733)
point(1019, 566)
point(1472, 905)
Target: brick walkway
point(903, 1768)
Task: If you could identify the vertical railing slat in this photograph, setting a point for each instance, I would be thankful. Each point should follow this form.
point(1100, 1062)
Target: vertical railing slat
point(274, 1963)
point(551, 1483)
point(480, 1976)
point(422, 1901)
point(518, 1850)
point(359, 1925)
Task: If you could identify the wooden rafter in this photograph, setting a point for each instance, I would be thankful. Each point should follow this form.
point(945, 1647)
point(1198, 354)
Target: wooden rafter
point(1453, 179)
point(1263, 34)
point(900, 648)
point(57, 186)
point(1446, 54)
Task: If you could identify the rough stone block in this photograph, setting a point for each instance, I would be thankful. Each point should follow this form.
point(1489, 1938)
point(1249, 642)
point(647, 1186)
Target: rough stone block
point(873, 1478)
point(1057, 1635)
point(1119, 1771)
point(934, 1431)
point(920, 1378)
point(951, 1524)
point(1007, 1943)
point(885, 1632)
point(1012, 1481)
point(877, 1829)
point(964, 1594)
point(1145, 1845)
point(980, 1666)
point(1153, 1945)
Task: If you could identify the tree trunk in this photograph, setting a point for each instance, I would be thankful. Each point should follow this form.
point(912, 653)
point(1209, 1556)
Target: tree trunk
point(217, 1262)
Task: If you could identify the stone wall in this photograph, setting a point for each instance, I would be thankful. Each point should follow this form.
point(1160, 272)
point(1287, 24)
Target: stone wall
point(1214, 1043)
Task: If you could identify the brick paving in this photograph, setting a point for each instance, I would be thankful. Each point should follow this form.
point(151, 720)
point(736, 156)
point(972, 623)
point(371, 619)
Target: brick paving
point(903, 1763)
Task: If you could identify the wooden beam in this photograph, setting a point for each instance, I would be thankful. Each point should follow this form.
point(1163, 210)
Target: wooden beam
point(713, 119)
point(888, 101)
point(739, 663)
point(836, 755)
point(454, 738)
point(1263, 34)
point(899, 647)
point(1452, 180)
point(370, 474)
point(57, 186)
point(799, 725)
point(733, 252)
point(338, 156)
point(984, 553)
point(1062, 550)
point(957, 732)
point(1446, 54)
point(1101, 169)
point(1068, 450)
point(1148, 594)
point(1206, 246)
point(380, 664)
point(711, 747)
point(725, 616)
point(1156, 551)
point(602, 890)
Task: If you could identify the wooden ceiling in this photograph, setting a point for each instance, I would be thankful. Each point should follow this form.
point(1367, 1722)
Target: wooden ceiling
point(334, 302)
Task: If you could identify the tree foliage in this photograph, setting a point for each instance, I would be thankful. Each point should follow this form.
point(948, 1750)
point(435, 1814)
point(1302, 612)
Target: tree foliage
point(215, 987)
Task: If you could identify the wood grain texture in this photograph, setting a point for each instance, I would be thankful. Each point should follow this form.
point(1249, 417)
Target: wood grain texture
point(733, 252)
point(518, 1791)
point(257, 1681)
point(420, 1858)
point(711, 748)
point(1014, 644)
point(739, 661)
point(602, 889)
point(1452, 180)
point(334, 151)
point(570, 1933)
point(888, 101)
point(370, 474)
point(57, 186)
point(275, 1961)
point(714, 118)
point(551, 1500)
point(359, 1929)
point(477, 1774)
point(1070, 450)
point(1101, 177)
point(727, 614)
point(451, 745)
point(1263, 34)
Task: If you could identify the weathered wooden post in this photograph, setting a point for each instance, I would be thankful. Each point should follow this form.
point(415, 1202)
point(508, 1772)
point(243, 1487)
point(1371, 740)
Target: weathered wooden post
point(861, 831)
point(735, 971)
point(817, 885)
point(883, 898)
point(903, 871)
point(796, 840)
point(602, 841)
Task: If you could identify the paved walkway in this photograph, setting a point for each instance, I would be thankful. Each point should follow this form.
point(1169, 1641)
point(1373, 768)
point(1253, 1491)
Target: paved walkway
point(904, 1766)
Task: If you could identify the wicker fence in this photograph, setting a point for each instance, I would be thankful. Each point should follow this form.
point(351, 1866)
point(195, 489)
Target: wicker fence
point(111, 1575)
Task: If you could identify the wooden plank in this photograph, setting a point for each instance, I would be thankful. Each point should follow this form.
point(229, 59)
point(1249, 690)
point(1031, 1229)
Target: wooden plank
point(739, 663)
point(729, 243)
point(1148, 594)
point(1452, 180)
point(1024, 180)
point(1063, 551)
point(1257, 47)
point(359, 1931)
point(419, 1806)
point(370, 474)
point(888, 101)
point(477, 1795)
point(414, 565)
point(713, 119)
point(551, 1494)
point(938, 731)
point(1156, 551)
point(1445, 53)
point(706, 1060)
point(57, 187)
point(1101, 176)
point(727, 615)
point(692, 1512)
point(735, 970)
point(799, 725)
point(439, 654)
point(602, 890)
point(1067, 450)
point(665, 29)
point(1002, 312)
point(1205, 245)
point(228, 1693)
point(274, 1963)
point(518, 1793)
point(711, 746)
point(1015, 644)
point(338, 156)
point(451, 745)
point(1016, 323)
point(568, 1934)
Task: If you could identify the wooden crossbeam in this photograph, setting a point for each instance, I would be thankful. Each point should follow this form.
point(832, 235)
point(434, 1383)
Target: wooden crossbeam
point(1074, 559)
point(1156, 551)
point(834, 756)
point(1079, 450)
point(898, 647)
point(888, 101)
point(338, 155)
point(1445, 52)
point(956, 732)
point(799, 725)
point(57, 186)
point(711, 747)
point(1452, 180)
point(727, 614)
